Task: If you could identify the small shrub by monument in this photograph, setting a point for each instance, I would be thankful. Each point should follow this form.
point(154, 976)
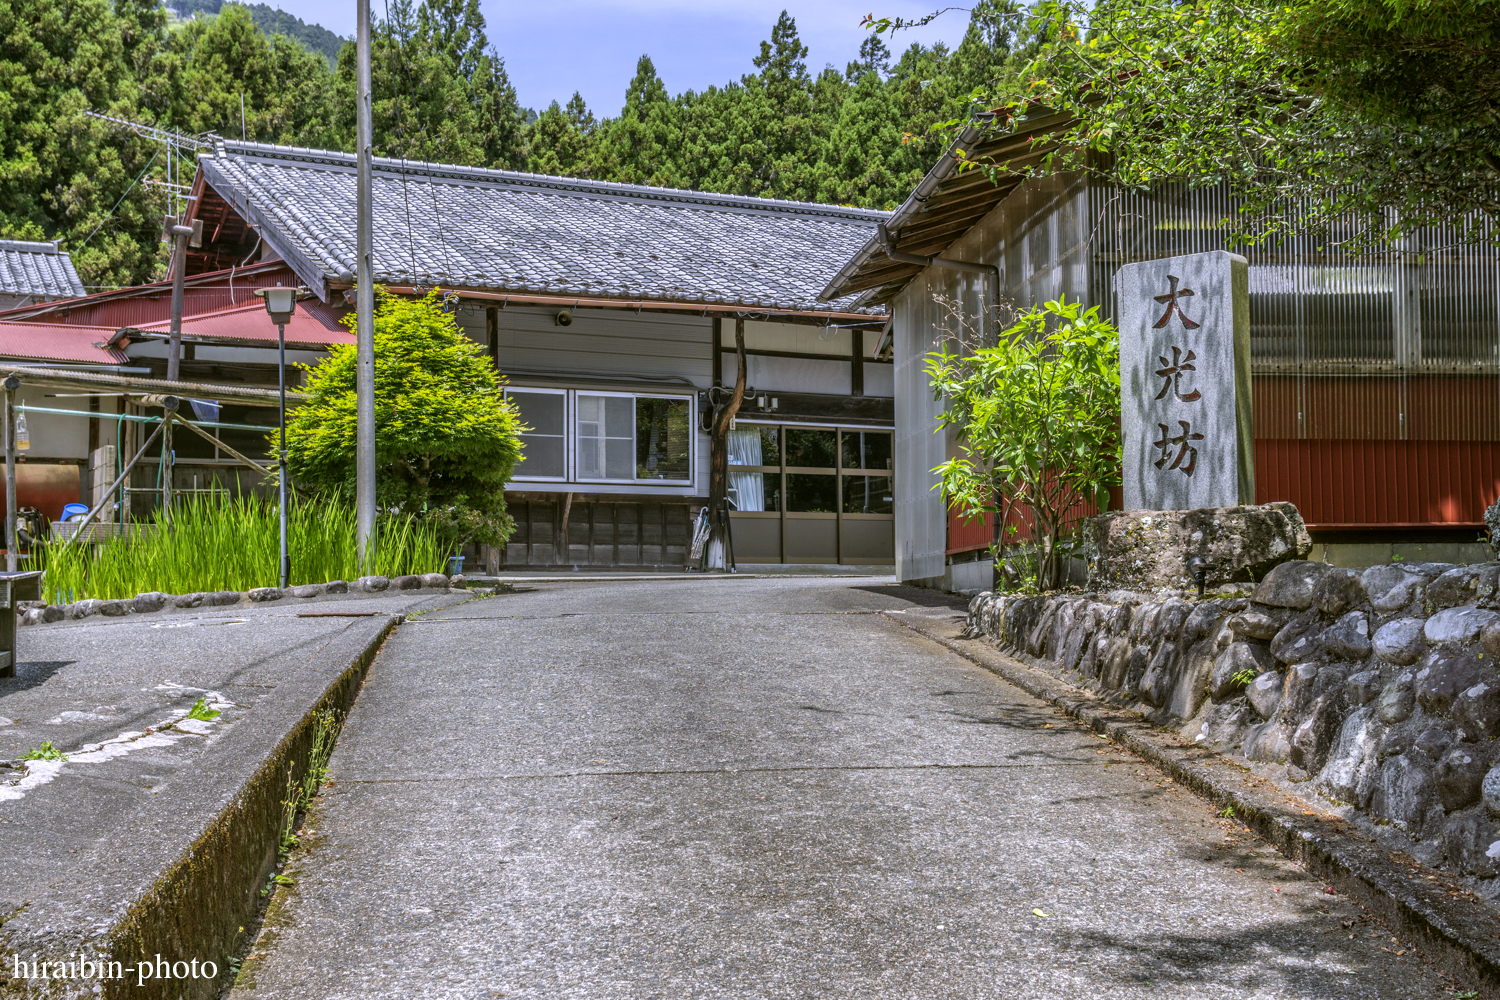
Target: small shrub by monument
point(1037, 422)
point(213, 542)
point(446, 440)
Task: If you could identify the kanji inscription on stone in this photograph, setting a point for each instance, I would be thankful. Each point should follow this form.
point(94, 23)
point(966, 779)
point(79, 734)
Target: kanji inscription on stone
point(1185, 382)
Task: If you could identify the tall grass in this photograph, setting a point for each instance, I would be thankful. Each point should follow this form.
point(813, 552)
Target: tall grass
point(213, 542)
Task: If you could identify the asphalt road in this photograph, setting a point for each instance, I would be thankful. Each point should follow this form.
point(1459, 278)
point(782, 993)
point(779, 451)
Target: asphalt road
point(766, 788)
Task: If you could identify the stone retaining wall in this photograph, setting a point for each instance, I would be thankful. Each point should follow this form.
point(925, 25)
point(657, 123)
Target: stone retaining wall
point(1377, 690)
point(42, 613)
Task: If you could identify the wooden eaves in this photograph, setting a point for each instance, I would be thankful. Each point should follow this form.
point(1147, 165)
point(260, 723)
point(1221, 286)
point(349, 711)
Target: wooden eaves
point(742, 310)
point(950, 200)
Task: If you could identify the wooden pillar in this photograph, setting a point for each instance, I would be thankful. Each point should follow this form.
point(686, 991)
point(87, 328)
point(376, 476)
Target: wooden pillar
point(718, 349)
point(718, 456)
point(492, 334)
point(857, 364)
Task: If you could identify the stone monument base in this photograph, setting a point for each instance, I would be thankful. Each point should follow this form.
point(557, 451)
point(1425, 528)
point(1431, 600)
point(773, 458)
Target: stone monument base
point(1146, 550)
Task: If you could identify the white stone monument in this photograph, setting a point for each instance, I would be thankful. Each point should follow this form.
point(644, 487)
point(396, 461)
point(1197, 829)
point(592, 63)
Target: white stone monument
point(1185, 382)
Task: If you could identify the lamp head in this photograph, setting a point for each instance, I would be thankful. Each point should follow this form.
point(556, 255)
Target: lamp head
point(280, 302)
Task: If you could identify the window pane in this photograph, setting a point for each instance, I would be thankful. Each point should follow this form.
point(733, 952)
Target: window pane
point(543, 446)
point(867, 495)
point(867, 449)
point(754, 490)
point(811, 493)
point(606, 437)
point(810, 449)
point(663, 439)
point(754, 446)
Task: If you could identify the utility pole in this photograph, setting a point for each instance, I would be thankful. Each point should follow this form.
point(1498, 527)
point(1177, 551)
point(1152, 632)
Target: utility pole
point(180, 236)
point(364, 304)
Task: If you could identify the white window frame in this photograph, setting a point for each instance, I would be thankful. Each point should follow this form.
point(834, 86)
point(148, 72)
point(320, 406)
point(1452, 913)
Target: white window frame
point(571, 439)
point(567, 434)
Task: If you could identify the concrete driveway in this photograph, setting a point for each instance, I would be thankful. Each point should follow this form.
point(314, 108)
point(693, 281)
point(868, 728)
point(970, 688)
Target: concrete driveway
point(767, 788)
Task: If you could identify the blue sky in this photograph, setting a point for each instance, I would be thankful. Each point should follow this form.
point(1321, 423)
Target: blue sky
point(554, 47)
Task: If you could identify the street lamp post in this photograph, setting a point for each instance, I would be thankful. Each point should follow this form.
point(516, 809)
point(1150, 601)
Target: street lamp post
point(280, 304)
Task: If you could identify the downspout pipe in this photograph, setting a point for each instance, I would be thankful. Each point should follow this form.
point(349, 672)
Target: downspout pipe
point(953, 265)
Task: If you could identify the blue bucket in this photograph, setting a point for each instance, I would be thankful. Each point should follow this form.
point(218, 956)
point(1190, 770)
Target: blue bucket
point(71, 510)
point(455, 565)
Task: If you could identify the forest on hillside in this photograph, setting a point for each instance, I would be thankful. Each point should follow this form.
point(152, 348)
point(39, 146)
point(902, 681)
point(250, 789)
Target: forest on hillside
point(855, 135)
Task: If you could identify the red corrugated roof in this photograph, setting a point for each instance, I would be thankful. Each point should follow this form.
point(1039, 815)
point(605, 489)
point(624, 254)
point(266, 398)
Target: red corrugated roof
point(55, 342)
point(312, 323)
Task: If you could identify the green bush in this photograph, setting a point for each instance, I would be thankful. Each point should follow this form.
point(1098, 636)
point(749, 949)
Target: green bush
point(1037, 419)
point(214, 543)
point(446, 440)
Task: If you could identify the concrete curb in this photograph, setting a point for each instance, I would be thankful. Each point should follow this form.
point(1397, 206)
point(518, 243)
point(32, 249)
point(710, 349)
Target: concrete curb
point(1456, 930)
point(184, 882)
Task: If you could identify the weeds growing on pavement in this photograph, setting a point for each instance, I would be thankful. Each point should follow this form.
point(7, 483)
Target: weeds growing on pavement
point(215, 542)
point(202, 712)
point(300, 794)
point(44, 752)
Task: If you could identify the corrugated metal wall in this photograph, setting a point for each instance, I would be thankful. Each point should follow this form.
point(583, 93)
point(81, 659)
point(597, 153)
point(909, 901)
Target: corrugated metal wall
point(1376, 378)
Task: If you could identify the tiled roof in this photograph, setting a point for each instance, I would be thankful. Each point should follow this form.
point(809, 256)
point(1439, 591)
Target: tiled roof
point(497, 230)
point(37, 269)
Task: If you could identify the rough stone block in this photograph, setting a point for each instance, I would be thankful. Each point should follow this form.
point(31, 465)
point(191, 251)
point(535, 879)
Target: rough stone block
point(1455, 587)
point(1349, 637)
point(372, 584)
point(1191, 689)
point(1299, 640)
point(1237, 659)
point(222, 598)
point(1458, 777)
point(84, 608)
point(1477, 709)
point(335, 587)
point(1401, 642)
point(262, 594)
point(1316, 735)
point(1349, 775)
point(1397, 701)
point(1457, 626)
point(1404, 792)
point(1156, 683)
point(435, 581)
point(148, 602)
point(1432, 743)
point(406, 583)
point(308, 590)
point(1144, 550)
point(1472, 844)
point(1393, 587)
point(52, 613)
point(1264, 693)
point(1270, 742)
point(114, 609)
point(1491, 790)
point(1489, 640)
point(189, 600)
point(1442, 677)
point(457, 582)
point(1260, 622)
point(1291, 584)
point(1362, 688)
point(1339, 591)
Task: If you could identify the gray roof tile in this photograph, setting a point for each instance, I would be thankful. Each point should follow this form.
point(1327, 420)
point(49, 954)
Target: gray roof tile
point(37, 269)
point(525, 233)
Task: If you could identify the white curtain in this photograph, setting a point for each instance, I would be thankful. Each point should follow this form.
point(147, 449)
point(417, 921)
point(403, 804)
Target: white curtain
point(746, 489)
